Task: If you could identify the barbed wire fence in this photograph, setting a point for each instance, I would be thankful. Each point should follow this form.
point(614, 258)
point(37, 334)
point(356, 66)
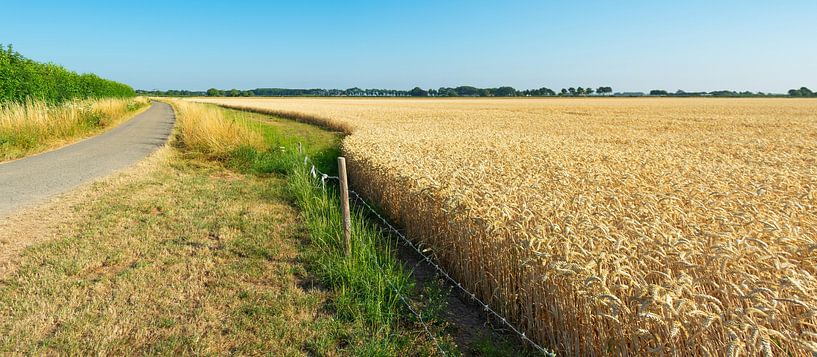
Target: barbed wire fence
point(317, 174)
point(324, 177)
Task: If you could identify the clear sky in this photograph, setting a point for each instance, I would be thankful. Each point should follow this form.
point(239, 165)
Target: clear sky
point(629, 45)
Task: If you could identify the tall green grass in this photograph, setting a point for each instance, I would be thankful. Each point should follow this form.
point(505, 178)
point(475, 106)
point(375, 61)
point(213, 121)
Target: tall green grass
point(366, 283)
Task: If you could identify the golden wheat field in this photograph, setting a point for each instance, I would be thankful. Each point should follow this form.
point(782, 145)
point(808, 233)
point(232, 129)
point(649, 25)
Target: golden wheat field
point(599, 226)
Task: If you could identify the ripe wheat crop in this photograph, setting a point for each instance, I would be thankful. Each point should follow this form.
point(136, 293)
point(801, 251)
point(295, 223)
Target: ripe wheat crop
point(604, 226)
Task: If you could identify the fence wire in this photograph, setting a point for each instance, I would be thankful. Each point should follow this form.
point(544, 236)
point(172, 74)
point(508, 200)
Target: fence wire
point(426, 258)
point(411, 308)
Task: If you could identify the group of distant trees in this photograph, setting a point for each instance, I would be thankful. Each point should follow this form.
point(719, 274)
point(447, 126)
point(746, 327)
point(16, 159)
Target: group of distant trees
point(171, 93)
point(462, 91)
point(802, 92)
point(468, 91)
point(22, 78)
point(580, 92)
point(213, 92)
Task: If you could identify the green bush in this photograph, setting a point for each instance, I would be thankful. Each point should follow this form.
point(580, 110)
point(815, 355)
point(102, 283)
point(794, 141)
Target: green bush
point(22, 78)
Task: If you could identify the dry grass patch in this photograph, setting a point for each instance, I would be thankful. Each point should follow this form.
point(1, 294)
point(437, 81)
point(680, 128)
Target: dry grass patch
point(34, 126)
point(181, 260)
point(57, 216)
point(204, 129)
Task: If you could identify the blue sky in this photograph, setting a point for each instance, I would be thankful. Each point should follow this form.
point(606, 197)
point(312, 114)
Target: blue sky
point(629, 45)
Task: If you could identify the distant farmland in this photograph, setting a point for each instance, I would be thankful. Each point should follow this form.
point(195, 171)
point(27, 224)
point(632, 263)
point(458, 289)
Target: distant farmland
point(636, 226)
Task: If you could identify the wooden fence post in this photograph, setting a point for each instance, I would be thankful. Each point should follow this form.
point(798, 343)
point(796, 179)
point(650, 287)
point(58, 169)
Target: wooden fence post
point(344, 205)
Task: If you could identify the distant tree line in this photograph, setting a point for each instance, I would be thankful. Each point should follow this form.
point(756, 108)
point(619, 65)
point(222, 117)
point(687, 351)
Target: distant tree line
point(280, 92)
point(581, 92)
point(22, 78)
point(463, 91)
point(468, 91)
point(171, 93)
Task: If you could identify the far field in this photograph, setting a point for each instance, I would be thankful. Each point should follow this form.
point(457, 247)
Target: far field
point(603, 225)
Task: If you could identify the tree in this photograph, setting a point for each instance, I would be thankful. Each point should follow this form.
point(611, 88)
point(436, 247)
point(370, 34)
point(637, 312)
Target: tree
point(588, 91)
point(572, 91)
point(234, 93)
point(723, 93)
point(802, 92)
point(580, 91)
point(418, 92)
point(658, 92)
point(447, 92)
point(212, 92)
point(354, 91)
point(505, 92)
point(467, 91)
point(604, 90)
point(563, 92)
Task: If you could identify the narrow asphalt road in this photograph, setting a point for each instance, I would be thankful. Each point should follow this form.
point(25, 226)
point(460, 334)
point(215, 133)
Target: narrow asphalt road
point(35, 178)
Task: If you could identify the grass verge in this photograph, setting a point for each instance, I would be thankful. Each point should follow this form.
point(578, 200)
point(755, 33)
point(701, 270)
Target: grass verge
point(364, 285)
point(186, 259)
point(34, 126)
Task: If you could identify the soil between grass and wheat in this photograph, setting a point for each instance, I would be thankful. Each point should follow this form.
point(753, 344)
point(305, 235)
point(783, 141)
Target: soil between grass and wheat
point(182, 254)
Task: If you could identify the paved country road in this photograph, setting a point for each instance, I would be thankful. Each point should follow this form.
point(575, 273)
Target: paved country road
point(29, 180)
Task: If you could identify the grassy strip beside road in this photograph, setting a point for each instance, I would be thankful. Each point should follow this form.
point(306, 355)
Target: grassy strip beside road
point(363, 284)
point(34, 126)
point(188, 258)
point(205, 252)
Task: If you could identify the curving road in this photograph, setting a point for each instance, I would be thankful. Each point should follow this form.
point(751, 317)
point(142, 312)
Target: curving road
point(29, 180)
